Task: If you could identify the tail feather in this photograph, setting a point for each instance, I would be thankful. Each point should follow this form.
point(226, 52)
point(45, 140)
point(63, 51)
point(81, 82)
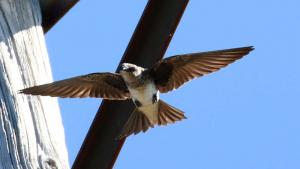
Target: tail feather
point(138, 121)
point(168, 114)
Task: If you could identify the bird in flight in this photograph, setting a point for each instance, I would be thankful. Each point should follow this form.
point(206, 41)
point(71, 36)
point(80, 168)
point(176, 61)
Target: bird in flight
point(143, 85)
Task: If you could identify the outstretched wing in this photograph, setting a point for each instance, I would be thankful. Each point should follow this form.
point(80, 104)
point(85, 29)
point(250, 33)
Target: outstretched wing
point(100, 85)
point(174, 71)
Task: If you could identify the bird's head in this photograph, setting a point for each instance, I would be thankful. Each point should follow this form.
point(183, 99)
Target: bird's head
point(129, 71)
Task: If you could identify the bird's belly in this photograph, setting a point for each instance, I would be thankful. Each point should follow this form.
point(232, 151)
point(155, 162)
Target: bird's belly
point(144, 94)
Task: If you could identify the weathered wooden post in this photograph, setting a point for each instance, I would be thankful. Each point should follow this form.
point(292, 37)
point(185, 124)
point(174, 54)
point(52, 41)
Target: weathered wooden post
point(31, 131)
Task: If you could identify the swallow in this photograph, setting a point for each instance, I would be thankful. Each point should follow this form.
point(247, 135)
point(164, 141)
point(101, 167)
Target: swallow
point(143, 85)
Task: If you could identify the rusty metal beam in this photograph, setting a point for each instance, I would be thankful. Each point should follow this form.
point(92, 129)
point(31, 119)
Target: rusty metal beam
point(54, 10)
point(147, 45)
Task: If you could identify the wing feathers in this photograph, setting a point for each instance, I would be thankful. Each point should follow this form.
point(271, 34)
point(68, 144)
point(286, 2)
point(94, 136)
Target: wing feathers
point(174, 71)
point(104, 85)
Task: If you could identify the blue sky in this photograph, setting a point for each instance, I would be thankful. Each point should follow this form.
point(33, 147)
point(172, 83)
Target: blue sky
point(244, 116)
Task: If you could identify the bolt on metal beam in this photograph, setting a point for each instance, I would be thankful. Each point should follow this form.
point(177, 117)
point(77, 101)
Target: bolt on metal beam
point(148, 44)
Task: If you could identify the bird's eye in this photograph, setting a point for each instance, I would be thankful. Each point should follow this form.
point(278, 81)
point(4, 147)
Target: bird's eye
point(131, 69)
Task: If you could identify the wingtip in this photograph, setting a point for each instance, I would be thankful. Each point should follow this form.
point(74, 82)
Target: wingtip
point(251, 48)
point(246, 50)
point(21, 91)
point(25, 91)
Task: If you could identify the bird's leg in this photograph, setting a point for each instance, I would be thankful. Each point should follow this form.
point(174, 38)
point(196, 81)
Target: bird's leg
point(154, 98)
point(137, 103)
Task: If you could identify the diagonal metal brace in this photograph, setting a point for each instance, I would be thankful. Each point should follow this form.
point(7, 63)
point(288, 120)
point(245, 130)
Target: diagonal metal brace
point(53, 11)
point(147, 46)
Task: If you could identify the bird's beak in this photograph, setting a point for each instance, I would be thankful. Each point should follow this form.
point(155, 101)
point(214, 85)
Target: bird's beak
point(122, 67)
point(126, 68)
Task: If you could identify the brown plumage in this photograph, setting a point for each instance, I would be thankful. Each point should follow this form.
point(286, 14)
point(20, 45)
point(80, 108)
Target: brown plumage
point(100, 85)
point(143, 85)
point(172, 72)
point(138, 121)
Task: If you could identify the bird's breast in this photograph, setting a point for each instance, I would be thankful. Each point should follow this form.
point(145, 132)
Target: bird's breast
point(143, 99)
point(144, 93)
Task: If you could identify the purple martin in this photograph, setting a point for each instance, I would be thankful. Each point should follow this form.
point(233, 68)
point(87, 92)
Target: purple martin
point(143, 85)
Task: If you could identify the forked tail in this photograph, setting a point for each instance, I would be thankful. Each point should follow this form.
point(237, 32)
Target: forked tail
point(138, 121)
